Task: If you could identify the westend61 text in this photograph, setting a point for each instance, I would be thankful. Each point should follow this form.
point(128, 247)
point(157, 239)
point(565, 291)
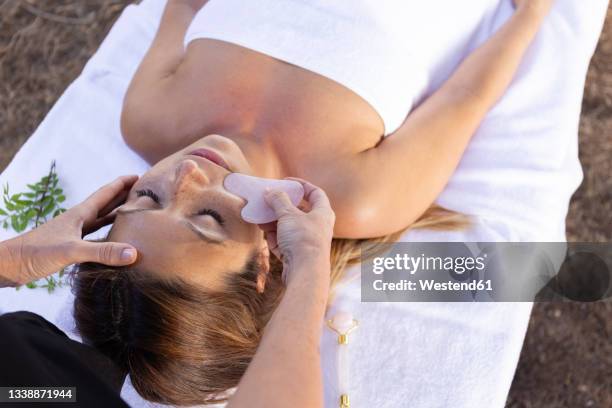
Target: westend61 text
point(433, 286)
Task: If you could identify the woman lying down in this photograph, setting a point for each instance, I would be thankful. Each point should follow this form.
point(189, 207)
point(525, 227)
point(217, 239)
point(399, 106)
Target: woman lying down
point(187, 318)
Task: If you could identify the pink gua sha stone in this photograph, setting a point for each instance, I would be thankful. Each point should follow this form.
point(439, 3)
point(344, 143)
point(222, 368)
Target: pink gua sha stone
point(252, 189)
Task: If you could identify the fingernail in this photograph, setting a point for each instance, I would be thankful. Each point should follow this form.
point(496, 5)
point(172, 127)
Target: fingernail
point(128, 254)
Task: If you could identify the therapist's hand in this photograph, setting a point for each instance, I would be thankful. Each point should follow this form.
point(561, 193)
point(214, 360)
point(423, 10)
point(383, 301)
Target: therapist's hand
point(59, 242)
point(301, 238)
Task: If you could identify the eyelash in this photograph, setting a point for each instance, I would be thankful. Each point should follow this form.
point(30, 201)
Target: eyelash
point(206, 211)
point(148, 193)
point(214, 214)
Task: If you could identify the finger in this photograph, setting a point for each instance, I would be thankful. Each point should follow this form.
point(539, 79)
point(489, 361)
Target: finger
point(314, 195)
point(107, 253)
point(268, 227)
point(273, 245)
point(99, 200)
point(271, 240)
point(115, 202)
point(280, 202)
point(99, 223)
point(304, 206)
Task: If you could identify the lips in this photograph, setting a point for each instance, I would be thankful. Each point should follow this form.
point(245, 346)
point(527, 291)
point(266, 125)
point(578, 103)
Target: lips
point(211, 156)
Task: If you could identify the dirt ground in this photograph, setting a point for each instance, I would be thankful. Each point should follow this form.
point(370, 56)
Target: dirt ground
point(567, 357)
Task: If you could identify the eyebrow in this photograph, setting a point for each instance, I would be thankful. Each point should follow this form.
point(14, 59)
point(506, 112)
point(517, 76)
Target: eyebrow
point(201, 234)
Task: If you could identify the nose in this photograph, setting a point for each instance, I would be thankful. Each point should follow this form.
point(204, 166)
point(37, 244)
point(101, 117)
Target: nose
point(189, 172)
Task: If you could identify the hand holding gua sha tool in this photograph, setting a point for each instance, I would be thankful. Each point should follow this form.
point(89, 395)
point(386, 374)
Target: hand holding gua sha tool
point(252, 189)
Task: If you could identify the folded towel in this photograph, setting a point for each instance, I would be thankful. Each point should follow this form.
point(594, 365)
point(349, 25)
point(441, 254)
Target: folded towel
point(517, 175)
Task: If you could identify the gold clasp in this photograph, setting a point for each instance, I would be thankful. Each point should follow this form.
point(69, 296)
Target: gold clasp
point(343, 337)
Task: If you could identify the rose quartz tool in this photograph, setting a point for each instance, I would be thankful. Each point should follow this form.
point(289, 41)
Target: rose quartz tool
point(252, 189)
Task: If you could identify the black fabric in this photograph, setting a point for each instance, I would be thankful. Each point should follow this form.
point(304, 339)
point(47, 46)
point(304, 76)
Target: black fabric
point(35, 353)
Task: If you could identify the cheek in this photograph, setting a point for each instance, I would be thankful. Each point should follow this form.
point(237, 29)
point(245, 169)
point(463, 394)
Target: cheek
point(251, 236)
point(213, 267)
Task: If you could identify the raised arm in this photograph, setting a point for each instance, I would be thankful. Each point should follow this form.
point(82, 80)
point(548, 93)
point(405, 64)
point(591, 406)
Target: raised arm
point(148, 106)
point(401, 177)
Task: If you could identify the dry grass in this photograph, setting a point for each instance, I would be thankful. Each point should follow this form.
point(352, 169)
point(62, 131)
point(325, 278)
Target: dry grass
point(567, 358)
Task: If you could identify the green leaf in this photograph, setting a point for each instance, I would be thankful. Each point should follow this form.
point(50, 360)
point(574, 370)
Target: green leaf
point(2, 212)
point(5, 224)
point(60, 198)
point(46, 200)
point(36, 188)
point(51, 284)
point(31, 285)
point(23, 223)
point(15, 223)
point(47, 210)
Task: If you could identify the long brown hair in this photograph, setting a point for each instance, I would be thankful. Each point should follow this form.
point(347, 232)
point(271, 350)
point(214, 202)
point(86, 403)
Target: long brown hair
point(183, 345)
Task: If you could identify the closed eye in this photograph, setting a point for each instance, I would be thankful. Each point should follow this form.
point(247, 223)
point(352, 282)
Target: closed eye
point(148, 193)
point(212, 213)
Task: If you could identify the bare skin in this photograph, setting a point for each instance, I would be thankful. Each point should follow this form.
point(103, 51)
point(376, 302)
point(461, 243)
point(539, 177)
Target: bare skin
point(291, 122)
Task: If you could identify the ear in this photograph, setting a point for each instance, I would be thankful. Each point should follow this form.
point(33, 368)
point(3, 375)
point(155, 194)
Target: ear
point(263, 262)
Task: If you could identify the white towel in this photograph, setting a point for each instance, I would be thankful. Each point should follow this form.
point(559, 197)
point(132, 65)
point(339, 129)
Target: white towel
point(518, 175)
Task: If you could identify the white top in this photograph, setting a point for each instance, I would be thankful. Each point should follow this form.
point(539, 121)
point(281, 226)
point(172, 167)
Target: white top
point(521, 167)
point(361, 45)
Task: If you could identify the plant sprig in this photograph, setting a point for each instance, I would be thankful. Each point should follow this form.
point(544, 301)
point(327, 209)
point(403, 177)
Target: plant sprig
point(33, 208)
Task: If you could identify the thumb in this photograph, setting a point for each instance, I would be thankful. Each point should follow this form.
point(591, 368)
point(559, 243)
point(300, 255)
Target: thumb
point(279, 201)
point(107, 253)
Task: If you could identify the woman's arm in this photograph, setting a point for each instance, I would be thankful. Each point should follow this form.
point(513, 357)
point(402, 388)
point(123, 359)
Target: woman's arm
point(167, 50)
point(401, 177)
point(286, 370)
point(148, 107)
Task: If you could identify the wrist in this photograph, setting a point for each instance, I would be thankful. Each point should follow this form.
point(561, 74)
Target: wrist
point(309, 256)
point(309, 271)
point(532, 11)
point(309, 289)
point(9, 262)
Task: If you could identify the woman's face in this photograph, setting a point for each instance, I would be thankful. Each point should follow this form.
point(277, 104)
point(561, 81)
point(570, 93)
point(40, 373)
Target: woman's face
point(183, 222)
